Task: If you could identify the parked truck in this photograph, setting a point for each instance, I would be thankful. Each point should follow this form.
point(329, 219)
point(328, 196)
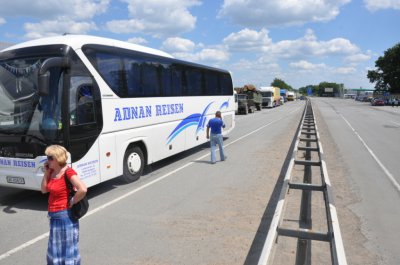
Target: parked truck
point(236, 102)
point(291, 96)
point(284, 94)
point(254, 96)
point(271, 96)
point(243, 104)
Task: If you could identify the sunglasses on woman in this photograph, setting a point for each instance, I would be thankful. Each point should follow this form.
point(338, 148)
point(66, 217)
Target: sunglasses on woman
point(50, 158)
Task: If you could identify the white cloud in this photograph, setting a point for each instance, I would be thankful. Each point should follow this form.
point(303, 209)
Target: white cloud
point(156, 18)
point(54, 9)
point(137, 40)
point(309, 46)
point(209, 55)
point(306, 60)
point(56, 17)
point(345, 70)
point(307, 66)
point(374, 5)
point(187, 50)
point(54, 27)
point(258, 73)
point(357, 58)
point(2, 21)
point(262, 13)
point(176, 44)
point(256, 66)
point(247, 40)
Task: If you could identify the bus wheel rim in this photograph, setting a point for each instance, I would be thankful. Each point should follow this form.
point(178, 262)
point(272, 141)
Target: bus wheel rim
point(134, 163)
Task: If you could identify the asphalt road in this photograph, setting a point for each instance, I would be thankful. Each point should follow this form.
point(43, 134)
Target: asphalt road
point(182, 211)
point(186, 211)
point(365, 170)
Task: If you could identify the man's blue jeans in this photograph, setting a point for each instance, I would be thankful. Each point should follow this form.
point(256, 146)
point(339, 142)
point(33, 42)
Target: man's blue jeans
point(217, 139)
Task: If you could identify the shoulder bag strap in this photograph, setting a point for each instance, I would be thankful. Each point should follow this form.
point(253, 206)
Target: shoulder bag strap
point(70, 189)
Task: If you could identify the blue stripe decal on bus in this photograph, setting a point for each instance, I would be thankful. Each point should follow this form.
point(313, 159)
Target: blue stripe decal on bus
point(192, 120)
point(224, 105)
point(203, 118)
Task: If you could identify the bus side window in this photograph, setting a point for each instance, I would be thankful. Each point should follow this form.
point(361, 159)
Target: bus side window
point(212, 85)
point(177, 87)
point(85, 105)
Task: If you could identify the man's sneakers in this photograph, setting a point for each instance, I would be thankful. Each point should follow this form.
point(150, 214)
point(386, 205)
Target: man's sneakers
point(213, 162)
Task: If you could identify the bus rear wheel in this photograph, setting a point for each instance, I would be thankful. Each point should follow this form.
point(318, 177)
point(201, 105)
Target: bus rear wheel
point(133, 164)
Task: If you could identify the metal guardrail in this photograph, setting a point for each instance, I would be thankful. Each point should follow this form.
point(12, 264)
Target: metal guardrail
point(313, 166)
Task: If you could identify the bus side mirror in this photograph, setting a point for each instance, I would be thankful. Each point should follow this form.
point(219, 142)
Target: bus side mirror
point(44, 74)
point(43, 84)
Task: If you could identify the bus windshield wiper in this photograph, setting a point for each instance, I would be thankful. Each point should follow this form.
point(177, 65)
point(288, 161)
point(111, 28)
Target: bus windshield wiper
point(24, 135)
point(34, 137)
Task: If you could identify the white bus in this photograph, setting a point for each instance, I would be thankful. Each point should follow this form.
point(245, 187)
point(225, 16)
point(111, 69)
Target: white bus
point(115, 106)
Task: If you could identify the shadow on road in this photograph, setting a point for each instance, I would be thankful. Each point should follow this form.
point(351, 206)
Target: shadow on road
point(256, 248)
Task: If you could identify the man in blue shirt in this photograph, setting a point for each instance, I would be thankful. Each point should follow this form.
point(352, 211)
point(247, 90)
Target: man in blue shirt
point(216, 124)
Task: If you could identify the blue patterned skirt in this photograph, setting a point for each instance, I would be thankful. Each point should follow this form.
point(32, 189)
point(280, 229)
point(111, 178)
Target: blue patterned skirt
point(63, 240)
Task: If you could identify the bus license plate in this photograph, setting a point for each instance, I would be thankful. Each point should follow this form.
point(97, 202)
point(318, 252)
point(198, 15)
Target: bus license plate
point(15, 180)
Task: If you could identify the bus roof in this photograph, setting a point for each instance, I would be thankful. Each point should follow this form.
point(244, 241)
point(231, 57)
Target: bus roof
point(77, 41)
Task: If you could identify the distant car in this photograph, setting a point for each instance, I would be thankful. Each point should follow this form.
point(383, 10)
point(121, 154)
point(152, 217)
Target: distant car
point(282, 100)
point(378, 102)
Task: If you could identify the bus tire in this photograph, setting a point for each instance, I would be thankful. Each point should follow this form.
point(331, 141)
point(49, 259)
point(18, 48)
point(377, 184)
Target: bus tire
point(133, 164)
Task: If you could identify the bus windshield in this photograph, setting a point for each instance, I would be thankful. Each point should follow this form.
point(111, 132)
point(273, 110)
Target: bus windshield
point(23, 112)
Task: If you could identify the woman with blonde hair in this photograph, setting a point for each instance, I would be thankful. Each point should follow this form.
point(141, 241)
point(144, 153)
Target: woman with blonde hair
point(64, 229)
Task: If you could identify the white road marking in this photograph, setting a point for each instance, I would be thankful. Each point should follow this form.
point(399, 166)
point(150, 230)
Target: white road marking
point(45, 235)
point(398, 124)
point(385, 170)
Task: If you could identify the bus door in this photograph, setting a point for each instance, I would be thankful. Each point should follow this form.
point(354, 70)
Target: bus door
point(85, 122)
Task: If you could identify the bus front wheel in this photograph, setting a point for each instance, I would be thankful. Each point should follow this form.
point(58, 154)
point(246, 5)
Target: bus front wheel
point(133, 164)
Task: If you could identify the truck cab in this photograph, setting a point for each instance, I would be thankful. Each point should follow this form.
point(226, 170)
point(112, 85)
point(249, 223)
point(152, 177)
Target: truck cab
point(267, 97)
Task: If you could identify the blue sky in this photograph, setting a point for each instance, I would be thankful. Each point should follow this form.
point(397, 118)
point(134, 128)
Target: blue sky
point(299, 41)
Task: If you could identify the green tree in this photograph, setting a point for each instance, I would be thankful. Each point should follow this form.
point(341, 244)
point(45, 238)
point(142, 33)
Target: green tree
point(387, 73)
point(337, 89)
point(320, 89)
point(281, 84)
point(304, 90)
